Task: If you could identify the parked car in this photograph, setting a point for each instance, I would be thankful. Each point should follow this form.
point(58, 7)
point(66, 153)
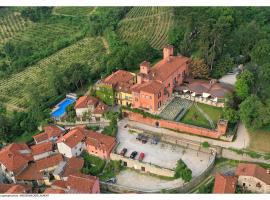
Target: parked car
point(123, 152)
point(144, 139)
point(139, 137)
point(133, 154)
point(154, 140)
point(111, 180)
point(141, 156)
point(126, 126)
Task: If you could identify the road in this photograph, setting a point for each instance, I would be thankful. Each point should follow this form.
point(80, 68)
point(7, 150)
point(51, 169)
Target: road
point(241, 141)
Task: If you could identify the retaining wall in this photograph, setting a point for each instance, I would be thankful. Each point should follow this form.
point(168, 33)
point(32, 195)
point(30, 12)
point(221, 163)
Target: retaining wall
point(177, 126)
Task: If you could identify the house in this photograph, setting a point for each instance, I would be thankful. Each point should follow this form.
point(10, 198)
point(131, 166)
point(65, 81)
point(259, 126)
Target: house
point(155, 85)
point(78, 183)
point(66, 168)
point(14, 188)
point(53, 191)
point(72, 144)
point(225, 184)
point(14, 158)
point(41, 171)
point(91, 107)
point(100, 145)
point(42, 150)
point(254, 178)
point(114, 88)
point(51, 133)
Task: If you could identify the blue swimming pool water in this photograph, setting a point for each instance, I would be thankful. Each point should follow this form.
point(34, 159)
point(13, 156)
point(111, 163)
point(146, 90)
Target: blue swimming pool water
point(62, 107)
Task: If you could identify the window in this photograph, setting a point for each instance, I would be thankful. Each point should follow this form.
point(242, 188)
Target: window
point(159, 94)
point(150, 97)
point(143, 169)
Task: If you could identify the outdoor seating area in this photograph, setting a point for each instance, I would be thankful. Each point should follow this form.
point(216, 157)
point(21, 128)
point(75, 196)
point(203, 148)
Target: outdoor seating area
point(175, 109)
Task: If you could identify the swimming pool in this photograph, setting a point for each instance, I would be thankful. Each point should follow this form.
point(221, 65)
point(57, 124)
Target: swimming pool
point(61, 108)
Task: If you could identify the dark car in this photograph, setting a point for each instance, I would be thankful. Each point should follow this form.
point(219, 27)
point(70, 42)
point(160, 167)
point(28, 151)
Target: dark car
point(123, 152)
point(139, 137)
point(144, 139)
point(154, 140)
point(133, 154)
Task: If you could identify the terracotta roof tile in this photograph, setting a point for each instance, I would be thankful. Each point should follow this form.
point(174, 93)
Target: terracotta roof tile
point(101, 108)
point(248, 169)
point(15, 156)
point(164, 68)
point(59, 184)
point(149, 87)
point(48, 162)
point(30, 173)
point(224, 184)
point(54, 191)
point(73, 137)
point(119, 76)
point(85, 101)
point(73, 165)
point(42, 148)
point(49, 131)
point(100, 141)
point(80, 183)
point(14, 188)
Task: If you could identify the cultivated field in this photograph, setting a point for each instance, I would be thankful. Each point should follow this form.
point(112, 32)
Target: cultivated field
point(12, 89)
point(73, 11)
point(149, 23)
point(11, 24)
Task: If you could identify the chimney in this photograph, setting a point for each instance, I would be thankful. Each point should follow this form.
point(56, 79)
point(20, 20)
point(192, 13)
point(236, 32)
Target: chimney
point(167, 52)
point(145, 67)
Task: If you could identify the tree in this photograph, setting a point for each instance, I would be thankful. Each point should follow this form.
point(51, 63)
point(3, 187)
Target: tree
point(182, 171)
point(244, 83)
point(252, 112)
point(199, 69)
point(4, 124)
point(260, 53)
point(231, 115)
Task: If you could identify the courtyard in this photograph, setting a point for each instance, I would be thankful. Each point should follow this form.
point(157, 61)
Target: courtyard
point(162, 154)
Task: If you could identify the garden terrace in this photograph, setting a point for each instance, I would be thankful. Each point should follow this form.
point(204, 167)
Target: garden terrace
point(175, 109)
point(149, 23)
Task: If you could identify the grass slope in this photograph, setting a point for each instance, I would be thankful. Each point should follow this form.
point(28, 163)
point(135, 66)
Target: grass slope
point(260, 140)
point(12, 89)
point(73, 11)
point(149, 23)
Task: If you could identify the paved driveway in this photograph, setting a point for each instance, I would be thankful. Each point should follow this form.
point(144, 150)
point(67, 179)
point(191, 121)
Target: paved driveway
point(163, 154)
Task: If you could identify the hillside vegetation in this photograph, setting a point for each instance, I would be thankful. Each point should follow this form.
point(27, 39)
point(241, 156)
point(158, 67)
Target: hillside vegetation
point(147, 23)
point(73, 11)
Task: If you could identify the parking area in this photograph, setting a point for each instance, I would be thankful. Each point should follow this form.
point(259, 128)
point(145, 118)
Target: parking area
point(161, 154)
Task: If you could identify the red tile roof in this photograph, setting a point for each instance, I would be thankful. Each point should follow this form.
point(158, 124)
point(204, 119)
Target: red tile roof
point(30, 173)
point(152, 87)
point(224, 184)
point(73, 137)
point(85, 101)
point(59, 184)
point(118, 77)
point(14, 188)
point(73, 165)
point(54, 191)
point(101, 108)
point(253, 170)
point(15, 156)
point(100, 141)
point(42, 148)
point(164, 68)
point(48, 162)
point(80, 183)
point(49, 131)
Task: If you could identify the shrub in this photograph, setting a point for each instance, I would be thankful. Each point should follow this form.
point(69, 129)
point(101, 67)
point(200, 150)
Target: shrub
point(182, 171)
point(92, 165)
point(205, 145)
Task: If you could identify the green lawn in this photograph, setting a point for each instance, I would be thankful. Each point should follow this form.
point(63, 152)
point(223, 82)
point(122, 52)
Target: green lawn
point(260, 140)
point(213, 112)
point(26, 137)
point(193, 117)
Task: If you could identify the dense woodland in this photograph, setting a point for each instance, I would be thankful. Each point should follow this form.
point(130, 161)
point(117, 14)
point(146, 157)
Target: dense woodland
point(217, 39)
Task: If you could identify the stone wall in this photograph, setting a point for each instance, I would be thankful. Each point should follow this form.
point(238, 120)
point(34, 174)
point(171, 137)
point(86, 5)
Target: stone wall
point(176, 126)
point(150, 168)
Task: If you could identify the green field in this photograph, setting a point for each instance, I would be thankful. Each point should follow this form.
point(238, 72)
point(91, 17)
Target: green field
point(149, 23)
point(194, 117)
point(13, 88)
point(260, 140)
point(73, 11)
